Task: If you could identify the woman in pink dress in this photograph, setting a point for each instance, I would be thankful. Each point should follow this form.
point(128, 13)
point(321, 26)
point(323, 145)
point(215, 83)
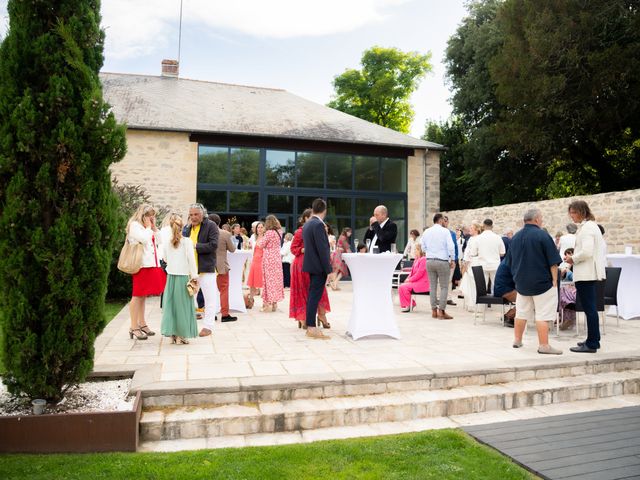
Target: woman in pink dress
point(273, 283)
point(254, 280)
point(418, 280)
point(340, 268)
point(300, 282)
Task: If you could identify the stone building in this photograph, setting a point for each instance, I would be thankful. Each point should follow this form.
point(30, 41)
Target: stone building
point(246, 151)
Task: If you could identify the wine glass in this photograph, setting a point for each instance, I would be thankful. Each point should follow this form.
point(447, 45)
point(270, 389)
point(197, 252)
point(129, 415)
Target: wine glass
point(356, 242)
point(368, 242)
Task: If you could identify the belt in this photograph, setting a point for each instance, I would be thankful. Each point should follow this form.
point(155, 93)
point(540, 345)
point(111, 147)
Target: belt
point(437, 259)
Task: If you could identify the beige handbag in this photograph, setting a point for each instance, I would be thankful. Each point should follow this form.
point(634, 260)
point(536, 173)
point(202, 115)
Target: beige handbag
point(130, 260)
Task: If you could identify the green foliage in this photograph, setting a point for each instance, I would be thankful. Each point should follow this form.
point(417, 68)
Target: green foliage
point(436, 454)
point(380, 91)
point(547, 94)
point(568, 74)
point(130, 198)
point(57, 209)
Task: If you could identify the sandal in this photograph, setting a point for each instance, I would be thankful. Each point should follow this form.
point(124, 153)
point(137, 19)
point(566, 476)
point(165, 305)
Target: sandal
point(140, 335)
point(147, 331)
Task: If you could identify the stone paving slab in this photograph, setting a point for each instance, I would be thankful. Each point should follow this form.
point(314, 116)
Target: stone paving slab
point(269, 345)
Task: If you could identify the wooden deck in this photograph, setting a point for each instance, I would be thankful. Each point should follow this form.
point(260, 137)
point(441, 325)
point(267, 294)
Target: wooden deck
point(602, 445)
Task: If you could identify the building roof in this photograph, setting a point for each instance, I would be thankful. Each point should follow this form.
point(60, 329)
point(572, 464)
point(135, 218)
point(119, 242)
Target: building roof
point(177, 104)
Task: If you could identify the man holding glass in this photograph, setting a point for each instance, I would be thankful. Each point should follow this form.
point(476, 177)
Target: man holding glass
point(382, 231)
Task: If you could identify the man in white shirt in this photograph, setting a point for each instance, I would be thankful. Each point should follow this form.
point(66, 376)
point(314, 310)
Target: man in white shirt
point(488, 248)
point(440, 252)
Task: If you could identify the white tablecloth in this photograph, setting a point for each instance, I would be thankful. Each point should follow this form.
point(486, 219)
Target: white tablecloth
point(629, 286)
point(236, 267)
point(372, 312)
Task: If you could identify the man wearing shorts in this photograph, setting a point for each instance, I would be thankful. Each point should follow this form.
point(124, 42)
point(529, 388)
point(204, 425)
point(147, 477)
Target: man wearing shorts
point(533, 260)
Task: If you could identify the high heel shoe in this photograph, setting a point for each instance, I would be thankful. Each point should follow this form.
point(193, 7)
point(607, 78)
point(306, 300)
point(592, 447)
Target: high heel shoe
point(182, 341)
point(147, 331)
point(274, 307)
point(266, 308)
point(173, 339)
point(140, 335)
point(324, 322)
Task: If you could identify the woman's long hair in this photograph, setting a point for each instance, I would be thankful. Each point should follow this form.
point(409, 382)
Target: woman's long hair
point(176, 224)
point(304, 217)
point(345, 230)
point(142, 211)
point(582, 208)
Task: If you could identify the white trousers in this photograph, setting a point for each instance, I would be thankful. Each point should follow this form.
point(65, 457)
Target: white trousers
point(489, 275)
point(211, 295)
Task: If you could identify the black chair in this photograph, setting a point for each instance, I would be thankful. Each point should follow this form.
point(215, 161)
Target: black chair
point(611, 289)
point(600, 286)
point(482, 296)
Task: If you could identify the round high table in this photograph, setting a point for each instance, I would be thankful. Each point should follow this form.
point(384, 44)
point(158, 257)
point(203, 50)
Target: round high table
point(372, 311)
point(237, 260)
point(628, 301)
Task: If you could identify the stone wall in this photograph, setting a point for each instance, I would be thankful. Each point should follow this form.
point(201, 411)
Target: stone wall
point(617, 212)
point(164, 163)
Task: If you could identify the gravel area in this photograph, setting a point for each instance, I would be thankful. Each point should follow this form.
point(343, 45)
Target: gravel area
point(95, 396)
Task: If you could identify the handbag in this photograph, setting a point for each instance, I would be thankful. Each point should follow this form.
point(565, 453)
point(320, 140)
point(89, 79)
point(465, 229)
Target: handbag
point(192, 284)
point(130, 260)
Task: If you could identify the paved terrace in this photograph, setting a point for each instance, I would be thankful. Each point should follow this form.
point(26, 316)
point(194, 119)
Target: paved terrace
point(270, 344)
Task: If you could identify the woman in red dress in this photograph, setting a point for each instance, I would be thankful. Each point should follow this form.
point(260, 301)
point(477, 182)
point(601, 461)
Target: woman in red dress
point(273, 282)
point(340, 268)
point(300, 282)
point(254, 281)
point(150, 280)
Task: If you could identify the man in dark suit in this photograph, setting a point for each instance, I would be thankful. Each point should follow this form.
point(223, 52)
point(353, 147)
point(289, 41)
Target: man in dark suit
point(317, 263)
point(204, 235)
point(382, 231)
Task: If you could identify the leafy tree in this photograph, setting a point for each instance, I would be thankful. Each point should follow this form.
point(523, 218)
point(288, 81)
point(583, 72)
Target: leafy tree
point(380, 91)
point(492, 174)
point(57, 208)
point(568, 75)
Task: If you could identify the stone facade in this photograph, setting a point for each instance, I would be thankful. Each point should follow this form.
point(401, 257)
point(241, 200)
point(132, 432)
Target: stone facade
point(423, 188)
point(164, 163)
point(617, 212)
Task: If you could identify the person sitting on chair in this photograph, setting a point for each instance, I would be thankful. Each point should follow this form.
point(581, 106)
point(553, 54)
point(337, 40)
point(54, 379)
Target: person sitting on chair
point(505, 287)
point(417, 281)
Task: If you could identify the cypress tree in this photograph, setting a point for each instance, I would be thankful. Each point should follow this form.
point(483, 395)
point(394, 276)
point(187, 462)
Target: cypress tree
point(57, 208)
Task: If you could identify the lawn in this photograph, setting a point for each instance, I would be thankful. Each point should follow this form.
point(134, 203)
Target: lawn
point(436, 454)
point(111, 309)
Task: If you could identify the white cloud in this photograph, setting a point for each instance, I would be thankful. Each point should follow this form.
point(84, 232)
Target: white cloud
point(142, 26)
point(4, 18)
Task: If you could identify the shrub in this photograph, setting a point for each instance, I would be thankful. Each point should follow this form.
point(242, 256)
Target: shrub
point(58, 213)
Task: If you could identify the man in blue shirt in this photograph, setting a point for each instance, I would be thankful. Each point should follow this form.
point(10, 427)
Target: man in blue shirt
point(505, 287)
point(533, 260)
point(438, 247)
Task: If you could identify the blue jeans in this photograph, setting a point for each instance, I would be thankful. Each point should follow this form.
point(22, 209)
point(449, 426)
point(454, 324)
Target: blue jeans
point(587, 293)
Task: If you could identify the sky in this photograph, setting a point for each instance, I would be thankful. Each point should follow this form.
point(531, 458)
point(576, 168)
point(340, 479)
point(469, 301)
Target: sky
point(296, 45)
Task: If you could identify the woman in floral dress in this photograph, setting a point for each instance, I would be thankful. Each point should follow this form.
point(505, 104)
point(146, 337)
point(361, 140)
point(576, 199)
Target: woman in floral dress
point(340, 268)
point(300, 282)
point(273, 283)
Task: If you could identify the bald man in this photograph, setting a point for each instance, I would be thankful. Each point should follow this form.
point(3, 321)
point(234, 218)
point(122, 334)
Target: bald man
point(382, 231)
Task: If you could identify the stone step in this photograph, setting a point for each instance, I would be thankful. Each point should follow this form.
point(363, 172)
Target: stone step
point(314, 413)
point(388, 428)
point(285, 388)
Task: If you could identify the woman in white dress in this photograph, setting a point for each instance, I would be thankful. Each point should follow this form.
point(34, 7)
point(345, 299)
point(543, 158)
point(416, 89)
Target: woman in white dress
point(467, 283)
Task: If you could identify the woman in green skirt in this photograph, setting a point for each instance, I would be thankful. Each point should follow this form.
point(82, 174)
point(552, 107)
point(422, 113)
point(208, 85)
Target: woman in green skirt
point(178, 312)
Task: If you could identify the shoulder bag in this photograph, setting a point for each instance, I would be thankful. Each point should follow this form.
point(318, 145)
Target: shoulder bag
point(130, 260)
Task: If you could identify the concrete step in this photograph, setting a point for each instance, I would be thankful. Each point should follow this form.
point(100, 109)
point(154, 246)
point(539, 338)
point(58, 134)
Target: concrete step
point(314, 413)
point(388, 428)
point(286, 388)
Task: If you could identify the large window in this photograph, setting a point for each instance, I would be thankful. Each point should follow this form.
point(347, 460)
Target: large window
point(249, 183)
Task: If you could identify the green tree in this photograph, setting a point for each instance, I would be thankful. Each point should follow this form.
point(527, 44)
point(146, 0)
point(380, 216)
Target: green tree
point(492, 174)
point(57, 208)
point(568, 75)
point(380, 91)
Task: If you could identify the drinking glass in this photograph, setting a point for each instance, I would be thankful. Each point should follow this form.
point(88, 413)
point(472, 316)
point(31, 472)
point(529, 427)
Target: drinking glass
point(368, 242)
point(356, 242)
point(393, 248)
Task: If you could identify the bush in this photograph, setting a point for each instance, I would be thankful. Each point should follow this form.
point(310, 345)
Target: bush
point(58, 213)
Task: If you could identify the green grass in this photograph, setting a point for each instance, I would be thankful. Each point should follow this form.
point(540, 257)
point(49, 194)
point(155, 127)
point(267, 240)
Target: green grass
point(111, 309)
point(440, 454)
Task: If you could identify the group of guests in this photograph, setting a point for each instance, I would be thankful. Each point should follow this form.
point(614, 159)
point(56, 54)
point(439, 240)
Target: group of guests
point(195, 254)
